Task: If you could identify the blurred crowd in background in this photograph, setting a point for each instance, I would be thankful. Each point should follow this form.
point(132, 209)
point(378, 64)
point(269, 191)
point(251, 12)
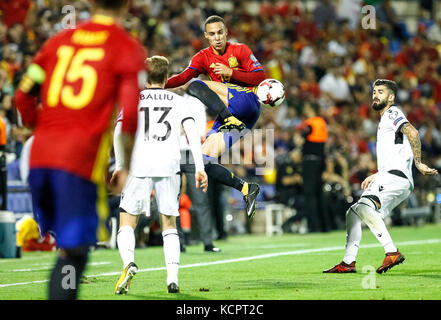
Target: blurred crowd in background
point(321, 54)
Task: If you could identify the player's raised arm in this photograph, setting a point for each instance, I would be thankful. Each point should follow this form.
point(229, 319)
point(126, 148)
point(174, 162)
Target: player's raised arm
point(181, 78)
point(415, 143)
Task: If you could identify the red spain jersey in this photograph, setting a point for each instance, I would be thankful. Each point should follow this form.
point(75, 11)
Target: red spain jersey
point(88, 71)
point(237, 56)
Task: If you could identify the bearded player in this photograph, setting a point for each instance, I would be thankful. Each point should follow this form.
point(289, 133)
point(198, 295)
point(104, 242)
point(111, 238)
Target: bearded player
point(398, 146)
point(234, 74)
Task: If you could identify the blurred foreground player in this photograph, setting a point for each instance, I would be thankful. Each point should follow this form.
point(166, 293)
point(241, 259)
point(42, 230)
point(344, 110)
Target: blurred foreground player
point(398, 146)
point(79, 76)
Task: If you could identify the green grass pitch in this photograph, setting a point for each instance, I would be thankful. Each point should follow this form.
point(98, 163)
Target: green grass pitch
point(252, 267)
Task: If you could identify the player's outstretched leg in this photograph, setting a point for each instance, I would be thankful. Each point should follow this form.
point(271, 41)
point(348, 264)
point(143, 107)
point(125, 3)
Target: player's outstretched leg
point(211, 99)
point(126, 245)
point(171, 247)
point(353, 238)
point(369, 214)
point(249, 190)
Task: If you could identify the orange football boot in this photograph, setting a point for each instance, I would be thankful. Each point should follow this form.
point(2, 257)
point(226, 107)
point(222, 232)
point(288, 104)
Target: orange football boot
point(342, 267)
point(391, 259)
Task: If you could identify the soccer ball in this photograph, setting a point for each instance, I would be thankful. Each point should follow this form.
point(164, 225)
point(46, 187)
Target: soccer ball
point(271, 93)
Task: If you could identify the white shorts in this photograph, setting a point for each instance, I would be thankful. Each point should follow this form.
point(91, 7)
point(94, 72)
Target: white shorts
point(135, 197)
point(390, 189)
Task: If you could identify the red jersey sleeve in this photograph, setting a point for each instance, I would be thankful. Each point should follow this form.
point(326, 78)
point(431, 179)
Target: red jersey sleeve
point(130, 70)
point(199, 63)
point(247, 60)
point(26, 103)
point(27, 106)
point(197, 66)
point(182, 78)
point(252, 71)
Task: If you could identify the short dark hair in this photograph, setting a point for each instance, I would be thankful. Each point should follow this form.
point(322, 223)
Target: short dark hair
point(213, 19)
point(157, 69)
point(391, 85)
point(110, 4)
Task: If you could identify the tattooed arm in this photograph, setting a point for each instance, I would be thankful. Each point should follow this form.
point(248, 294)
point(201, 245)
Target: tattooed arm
point(415, 143)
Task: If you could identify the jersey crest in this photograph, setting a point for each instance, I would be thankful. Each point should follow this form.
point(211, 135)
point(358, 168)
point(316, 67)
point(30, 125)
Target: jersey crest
point(232, 61)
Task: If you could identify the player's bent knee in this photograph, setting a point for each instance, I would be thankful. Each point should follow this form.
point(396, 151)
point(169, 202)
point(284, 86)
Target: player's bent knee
point(371, 199)
point(366, 209)
point(352, 209)
point(127, 219)
point(197, 88)
point(167, 222)
point(214, 145)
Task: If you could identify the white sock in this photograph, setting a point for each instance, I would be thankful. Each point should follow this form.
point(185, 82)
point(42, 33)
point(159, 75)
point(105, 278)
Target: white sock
point(172, 252)
point(374, 221)
point(353, 236)
point(126, 244)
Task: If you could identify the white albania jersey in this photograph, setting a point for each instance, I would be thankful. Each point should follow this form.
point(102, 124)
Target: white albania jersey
point(393, 148)
point(157, 141)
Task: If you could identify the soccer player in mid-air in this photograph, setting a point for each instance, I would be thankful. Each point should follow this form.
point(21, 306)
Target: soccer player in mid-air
point(81, 78)
point(234, 72)
point(156, 166)
point(398, 147)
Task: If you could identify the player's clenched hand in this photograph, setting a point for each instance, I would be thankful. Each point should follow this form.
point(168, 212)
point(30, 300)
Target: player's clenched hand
point(222, 70)
point(425, 170)
point(118, 180)
point(201, 180)
point(367, 181)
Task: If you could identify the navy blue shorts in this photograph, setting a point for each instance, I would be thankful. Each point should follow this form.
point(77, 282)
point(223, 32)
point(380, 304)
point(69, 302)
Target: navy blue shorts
point(67, 205)
point(243, 104)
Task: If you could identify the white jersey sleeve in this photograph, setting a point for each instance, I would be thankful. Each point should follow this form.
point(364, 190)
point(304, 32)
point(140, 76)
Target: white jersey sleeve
point(118, 147)
point(194, 141)
point(24, 159)
point(393, 148)
point(396, 118)
point(197, 110)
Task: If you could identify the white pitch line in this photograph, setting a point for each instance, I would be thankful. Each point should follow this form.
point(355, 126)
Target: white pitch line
point(263, 256)
point(50, 266)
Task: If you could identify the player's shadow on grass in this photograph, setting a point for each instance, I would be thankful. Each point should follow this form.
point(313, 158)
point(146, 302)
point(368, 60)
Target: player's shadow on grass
point(271, 284)
point(170, 296)
point(432, 274)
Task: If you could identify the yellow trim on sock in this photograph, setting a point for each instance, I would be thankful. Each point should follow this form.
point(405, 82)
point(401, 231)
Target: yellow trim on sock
point(245, 189)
